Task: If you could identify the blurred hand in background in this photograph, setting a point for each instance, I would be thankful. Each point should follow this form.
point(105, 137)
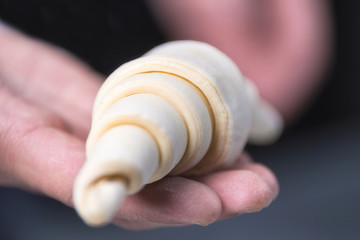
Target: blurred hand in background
point(282, 46)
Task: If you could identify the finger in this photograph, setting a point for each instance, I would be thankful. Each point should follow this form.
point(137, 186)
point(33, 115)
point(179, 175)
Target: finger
point(245, 162)
point(171, 201)
point(50, 77)
point(248, 188)
point(136, 225)
point(35, 152)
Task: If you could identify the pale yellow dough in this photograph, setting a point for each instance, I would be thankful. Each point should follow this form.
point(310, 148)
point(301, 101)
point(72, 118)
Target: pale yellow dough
point(182, 108)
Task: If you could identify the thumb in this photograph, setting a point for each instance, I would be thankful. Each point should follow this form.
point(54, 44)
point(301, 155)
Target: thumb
point(49, 77)
point(35, 153)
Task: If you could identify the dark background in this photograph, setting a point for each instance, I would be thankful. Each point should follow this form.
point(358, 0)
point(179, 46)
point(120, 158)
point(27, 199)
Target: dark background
point(317, 161)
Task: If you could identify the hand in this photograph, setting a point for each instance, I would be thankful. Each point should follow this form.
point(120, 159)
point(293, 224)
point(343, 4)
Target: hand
point(282, 46)
point(46, 98)
point(176, 201)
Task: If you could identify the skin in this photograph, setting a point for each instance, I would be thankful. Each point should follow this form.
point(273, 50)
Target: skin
point(43, 128)
point(282, 46)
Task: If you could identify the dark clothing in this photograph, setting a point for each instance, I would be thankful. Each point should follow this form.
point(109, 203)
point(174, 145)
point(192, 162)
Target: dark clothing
point(102, 33)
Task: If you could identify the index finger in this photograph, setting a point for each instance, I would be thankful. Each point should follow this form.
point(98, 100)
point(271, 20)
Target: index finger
point(245, 187)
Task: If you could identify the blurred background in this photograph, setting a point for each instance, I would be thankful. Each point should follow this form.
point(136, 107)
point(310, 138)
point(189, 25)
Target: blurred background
point(317, 161)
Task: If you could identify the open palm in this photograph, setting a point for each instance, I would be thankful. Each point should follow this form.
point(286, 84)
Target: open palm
point(46, 96)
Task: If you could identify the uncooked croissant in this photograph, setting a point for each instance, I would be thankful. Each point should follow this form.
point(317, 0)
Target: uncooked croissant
point(183, 108)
